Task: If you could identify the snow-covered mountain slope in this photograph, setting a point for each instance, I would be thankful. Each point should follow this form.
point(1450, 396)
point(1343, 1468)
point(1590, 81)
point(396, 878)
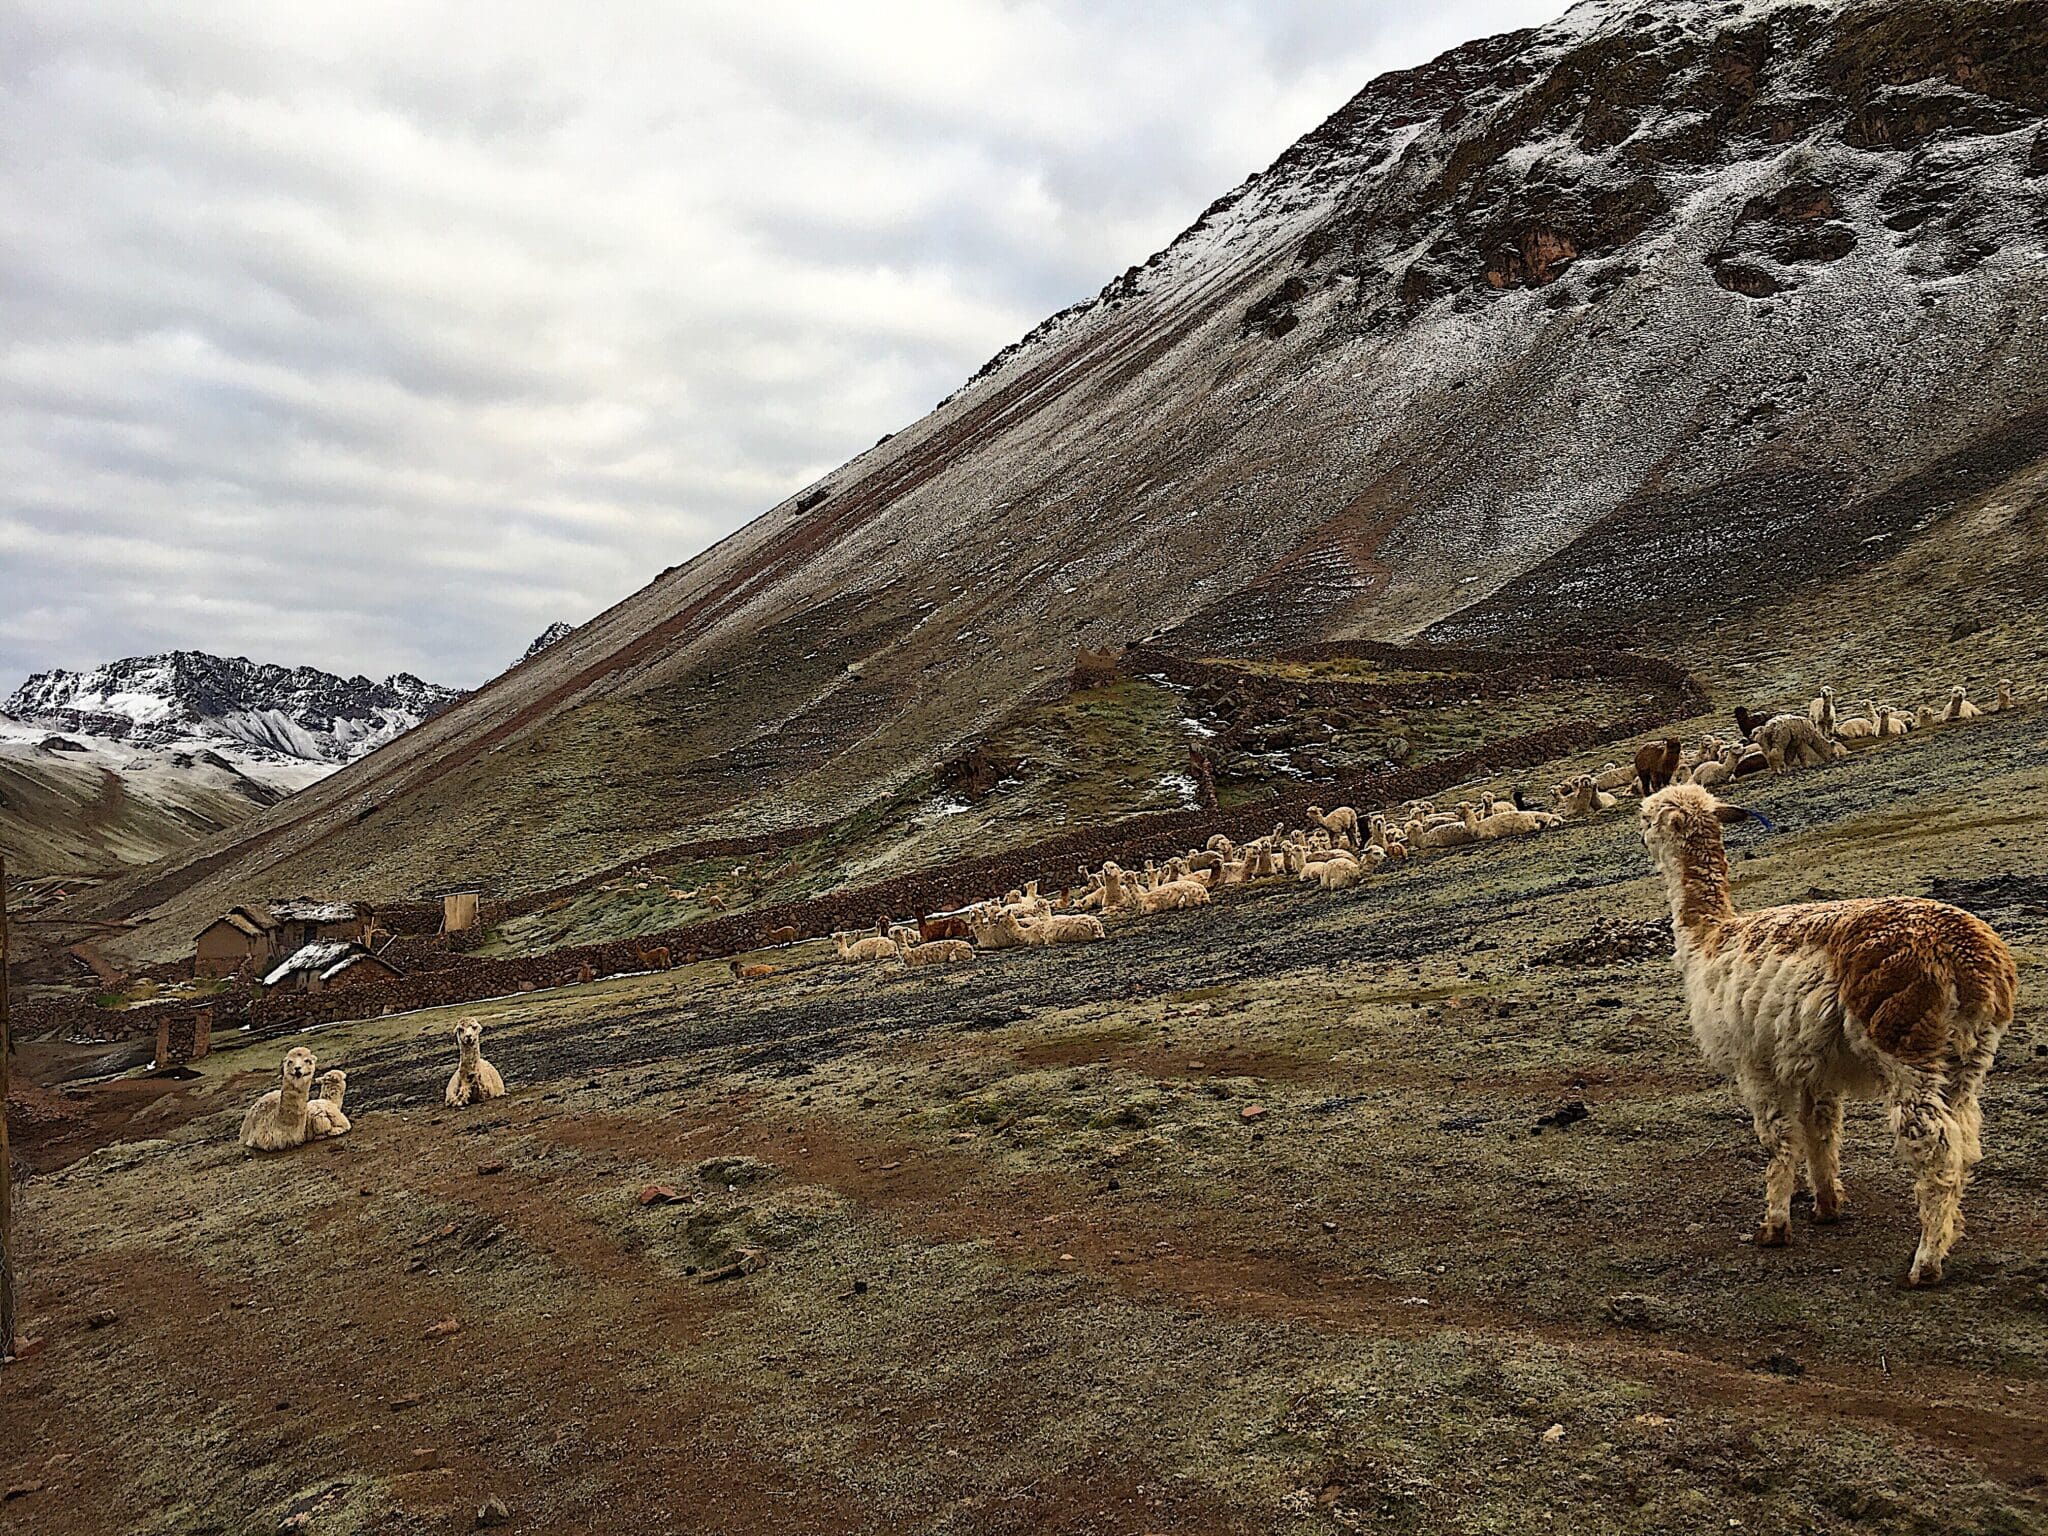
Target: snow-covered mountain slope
point(190, 699)
point(81, 804)
point(1669, 309)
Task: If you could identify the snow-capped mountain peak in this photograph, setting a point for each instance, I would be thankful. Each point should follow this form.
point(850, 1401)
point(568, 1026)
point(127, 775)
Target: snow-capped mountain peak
point(269, 711)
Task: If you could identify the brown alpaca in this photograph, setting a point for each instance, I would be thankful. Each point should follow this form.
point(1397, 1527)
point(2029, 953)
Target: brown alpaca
point(783, 935)
point(750, 972)
point(1657, 763)
point(474, 1079)
point(1804, 1006)
point(933, 929)
point(586, 972)
point(655, 959)
point(278, 1120)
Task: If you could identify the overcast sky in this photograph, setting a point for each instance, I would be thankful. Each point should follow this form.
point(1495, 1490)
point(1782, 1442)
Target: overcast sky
point(379, 336)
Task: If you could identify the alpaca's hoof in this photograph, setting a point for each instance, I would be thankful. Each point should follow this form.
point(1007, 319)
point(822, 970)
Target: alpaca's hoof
point(1773, 1234)
point(1827, 1209)
point(1923, 1274)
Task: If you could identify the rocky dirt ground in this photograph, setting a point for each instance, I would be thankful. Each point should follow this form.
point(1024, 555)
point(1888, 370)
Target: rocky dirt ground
point(1408, 1208)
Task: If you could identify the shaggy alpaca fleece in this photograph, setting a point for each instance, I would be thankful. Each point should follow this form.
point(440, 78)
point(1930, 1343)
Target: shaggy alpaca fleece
point(323, 1115)
point(278, 1120)
point(1804, 1006)
point(474, 1079)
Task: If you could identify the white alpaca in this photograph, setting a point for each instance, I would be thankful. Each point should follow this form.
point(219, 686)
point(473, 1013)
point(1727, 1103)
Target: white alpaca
point(1174, 894)
point(1506, 821)
point(278, 1119)
point(2004, 701)
point(1582, 797)
point(474, 1077)
point(863, 950)
point(1716, 770)
point(1822, 712)
point(1443, 834)
point(1804, 1006)
point(1341, 823)
point(1059, 928)
point(1857, 727)
point(323, 1115)
point(1959, 707)
point(937, 952)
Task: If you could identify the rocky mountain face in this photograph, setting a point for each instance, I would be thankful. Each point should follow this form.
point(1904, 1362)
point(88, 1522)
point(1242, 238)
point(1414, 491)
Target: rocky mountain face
point(547, 637)
point(190, 696)
point(1627, 325)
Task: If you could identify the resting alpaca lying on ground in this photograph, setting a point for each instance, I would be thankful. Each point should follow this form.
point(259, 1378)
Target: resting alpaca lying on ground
point(1793, 741)
point(278, 1119)
point(474, 1077)
point(936, 952)
point(871, 947)
point(1894, 997)
point(1059, 928)
point(323, 1115)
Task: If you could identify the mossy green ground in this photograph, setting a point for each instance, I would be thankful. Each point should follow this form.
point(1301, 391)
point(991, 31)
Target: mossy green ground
point(1022, 1256)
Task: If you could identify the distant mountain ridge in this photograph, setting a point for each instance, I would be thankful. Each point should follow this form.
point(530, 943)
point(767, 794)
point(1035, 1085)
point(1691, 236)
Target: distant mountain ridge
point(186, 697)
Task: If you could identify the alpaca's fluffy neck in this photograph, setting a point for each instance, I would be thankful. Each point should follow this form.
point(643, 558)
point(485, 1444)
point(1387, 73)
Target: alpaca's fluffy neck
point(471, 1052)
point(1696, 884)
point(292, 1094)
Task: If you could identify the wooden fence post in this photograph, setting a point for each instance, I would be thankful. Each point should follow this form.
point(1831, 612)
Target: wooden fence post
point(7, 1318)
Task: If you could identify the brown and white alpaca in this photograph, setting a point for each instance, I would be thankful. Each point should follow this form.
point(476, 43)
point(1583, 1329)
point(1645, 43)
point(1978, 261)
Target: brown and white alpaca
point(1803, 1006)
point(278, 1119)
point(323, 1115)
point(474, 1077)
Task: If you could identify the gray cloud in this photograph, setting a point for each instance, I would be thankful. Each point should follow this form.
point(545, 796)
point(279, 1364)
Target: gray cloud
point(379, 337)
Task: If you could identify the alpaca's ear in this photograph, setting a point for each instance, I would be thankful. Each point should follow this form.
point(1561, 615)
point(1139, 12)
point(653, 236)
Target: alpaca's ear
point(1730, 813)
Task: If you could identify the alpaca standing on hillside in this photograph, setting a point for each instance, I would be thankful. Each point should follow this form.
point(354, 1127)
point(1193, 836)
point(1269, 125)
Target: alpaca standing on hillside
point(474, 1077)
point(1806, 1005)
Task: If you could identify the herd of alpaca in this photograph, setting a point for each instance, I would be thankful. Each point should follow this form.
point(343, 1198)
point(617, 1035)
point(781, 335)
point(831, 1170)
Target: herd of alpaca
point(1335, 850)
point(1776, 743)
point(1803, 1007)
point(288, 1116)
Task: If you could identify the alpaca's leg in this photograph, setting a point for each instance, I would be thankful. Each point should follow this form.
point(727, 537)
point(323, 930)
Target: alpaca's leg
point(1931, 1141)
point(1778, 1130)
point(1820, 1123)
